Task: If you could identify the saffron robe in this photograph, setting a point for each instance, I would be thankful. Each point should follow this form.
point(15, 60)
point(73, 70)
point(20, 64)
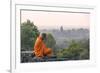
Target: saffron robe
point(40, 48)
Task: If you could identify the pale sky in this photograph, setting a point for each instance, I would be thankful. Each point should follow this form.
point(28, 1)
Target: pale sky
point(54, 20)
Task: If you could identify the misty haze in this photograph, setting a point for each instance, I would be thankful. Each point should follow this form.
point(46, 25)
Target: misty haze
point(54, 36)
point(63, 36)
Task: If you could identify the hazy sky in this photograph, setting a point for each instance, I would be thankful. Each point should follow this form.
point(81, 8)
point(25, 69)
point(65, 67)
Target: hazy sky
point(54, 20)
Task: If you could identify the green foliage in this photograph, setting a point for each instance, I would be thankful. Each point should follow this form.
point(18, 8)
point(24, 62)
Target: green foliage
point(51, 42)
point(75, 51)
point(86, 52)
point(29, 32)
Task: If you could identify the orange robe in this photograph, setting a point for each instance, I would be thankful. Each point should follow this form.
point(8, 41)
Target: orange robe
point(40, 48)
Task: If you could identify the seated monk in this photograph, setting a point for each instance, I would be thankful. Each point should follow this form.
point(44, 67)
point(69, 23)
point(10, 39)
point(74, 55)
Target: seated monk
point(40, 48)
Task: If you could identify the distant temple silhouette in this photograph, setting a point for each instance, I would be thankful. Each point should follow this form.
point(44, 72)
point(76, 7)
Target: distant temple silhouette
point(61, 29)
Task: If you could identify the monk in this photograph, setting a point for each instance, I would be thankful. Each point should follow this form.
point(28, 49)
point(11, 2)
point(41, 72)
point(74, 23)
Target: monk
point(40, 48)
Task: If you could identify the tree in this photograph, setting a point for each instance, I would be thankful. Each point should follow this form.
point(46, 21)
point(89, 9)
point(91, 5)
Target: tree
point(77, 50)
point(74, 50)
point(51, 42)
point(86, 50)
point(29, 33)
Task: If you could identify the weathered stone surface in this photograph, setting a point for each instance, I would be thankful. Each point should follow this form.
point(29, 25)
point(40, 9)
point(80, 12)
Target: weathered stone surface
point(30, 57)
